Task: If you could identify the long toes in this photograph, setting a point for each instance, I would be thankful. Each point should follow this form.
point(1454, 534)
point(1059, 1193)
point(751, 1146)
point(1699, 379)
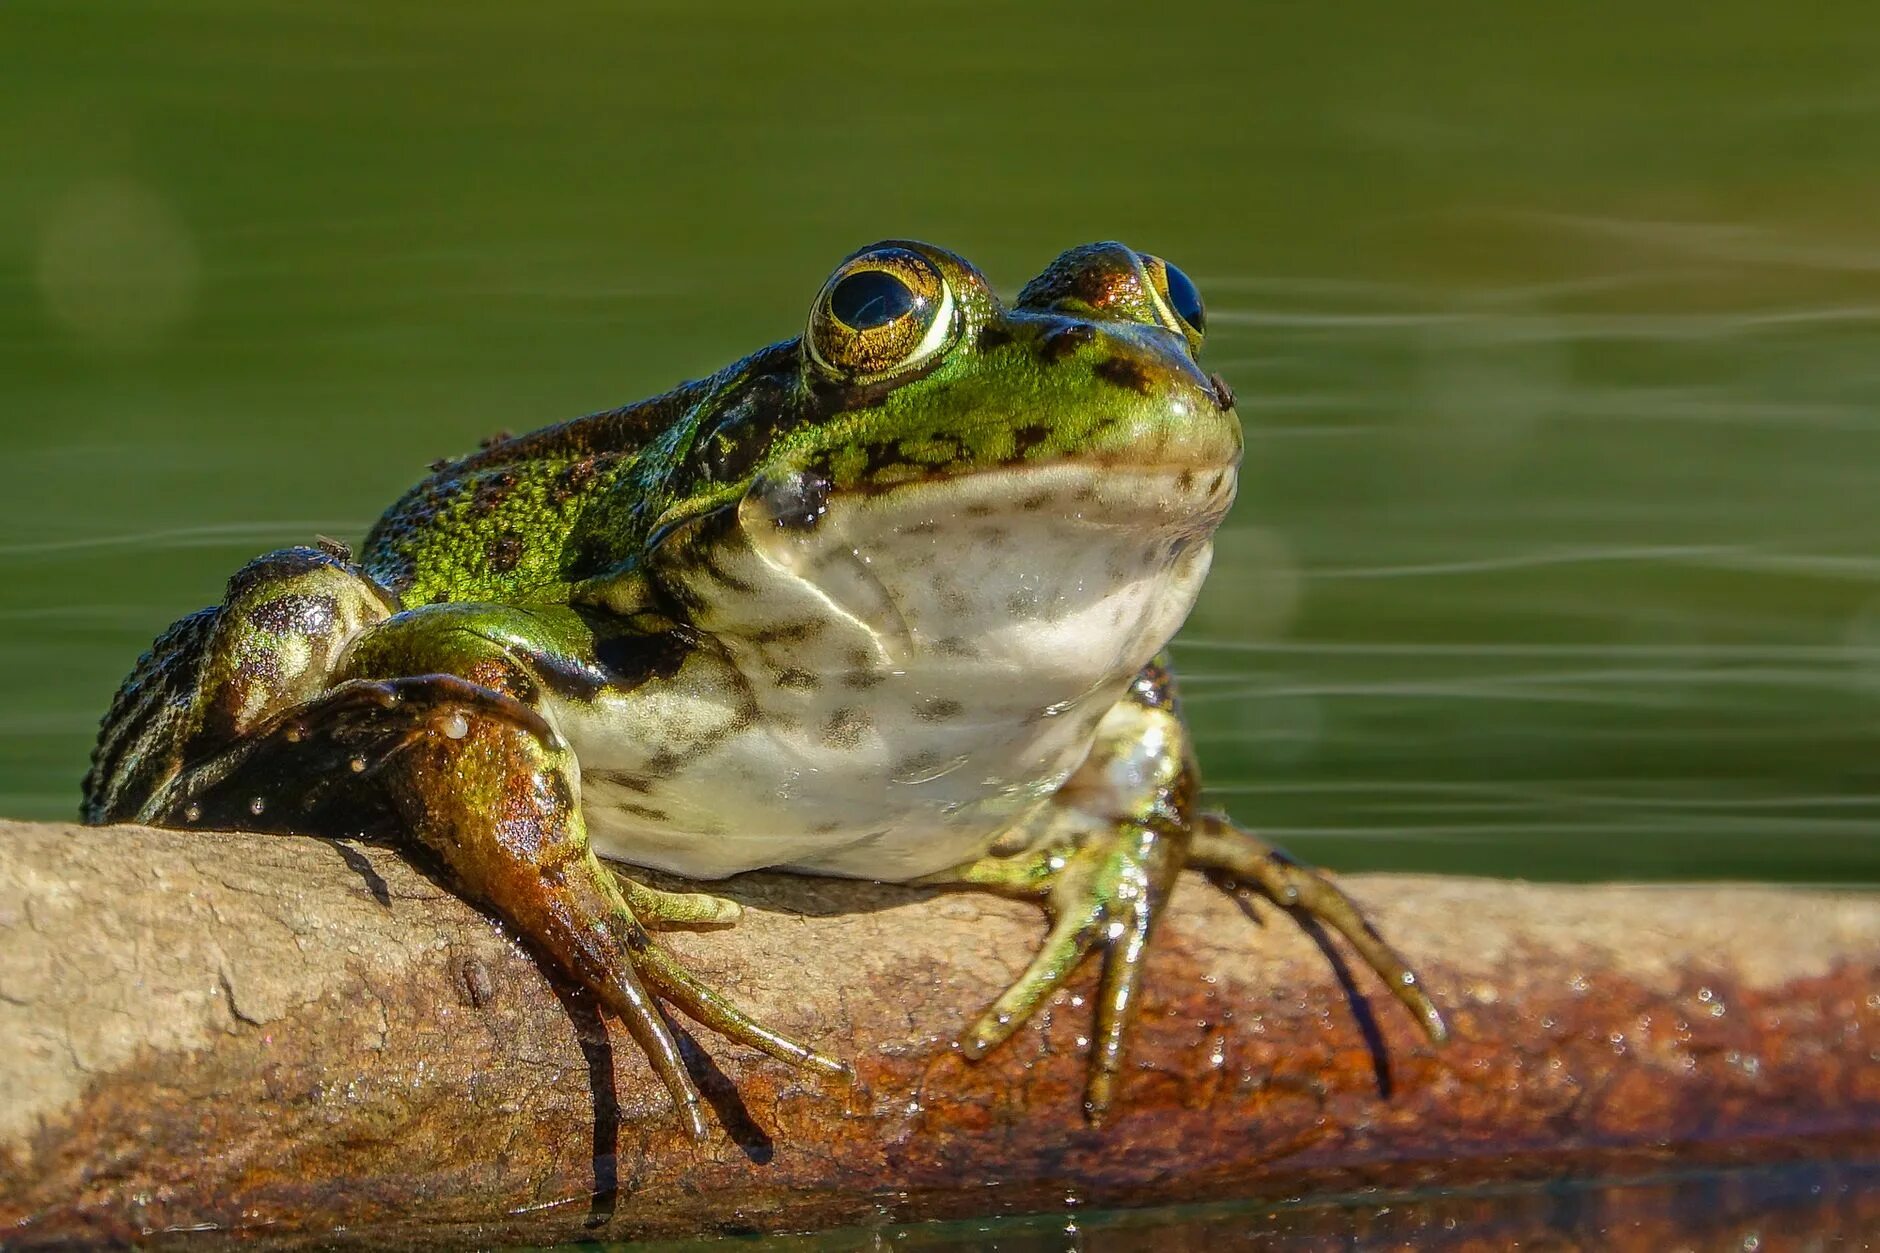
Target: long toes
point(1241, 857)
point(1071, 938)
point(678, 986)
point(627, 997)
point(1116, 1004)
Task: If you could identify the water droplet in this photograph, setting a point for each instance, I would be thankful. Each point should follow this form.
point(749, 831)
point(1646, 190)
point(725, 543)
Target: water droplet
point(256, 805)
point(358, 765)
point(456, 726)
point(193, 814)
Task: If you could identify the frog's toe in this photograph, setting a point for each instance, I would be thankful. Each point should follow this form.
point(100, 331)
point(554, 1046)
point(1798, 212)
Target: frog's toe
point(1236, 857)
point(678, 986)
point(661, 910)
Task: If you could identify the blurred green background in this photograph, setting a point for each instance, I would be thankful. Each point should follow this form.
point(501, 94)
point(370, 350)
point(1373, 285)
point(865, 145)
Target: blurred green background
point(1558, 550)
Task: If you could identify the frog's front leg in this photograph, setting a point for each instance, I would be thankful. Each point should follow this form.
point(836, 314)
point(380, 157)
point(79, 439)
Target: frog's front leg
point(1103, 856)
point(468, 769)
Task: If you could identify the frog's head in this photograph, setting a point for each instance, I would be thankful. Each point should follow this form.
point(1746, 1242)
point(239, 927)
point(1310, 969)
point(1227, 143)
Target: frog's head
point(937, 464)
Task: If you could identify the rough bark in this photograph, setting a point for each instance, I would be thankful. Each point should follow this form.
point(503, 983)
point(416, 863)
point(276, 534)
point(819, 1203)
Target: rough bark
point(291, 1038)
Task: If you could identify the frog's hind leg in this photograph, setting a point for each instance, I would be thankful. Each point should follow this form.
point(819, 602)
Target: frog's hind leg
point(1235, 858)
point(481, 781)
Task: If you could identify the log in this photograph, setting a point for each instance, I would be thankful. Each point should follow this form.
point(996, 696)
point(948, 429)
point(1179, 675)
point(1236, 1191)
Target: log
point(291, 1040)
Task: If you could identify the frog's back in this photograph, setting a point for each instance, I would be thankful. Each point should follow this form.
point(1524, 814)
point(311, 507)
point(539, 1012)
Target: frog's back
point(525, 518)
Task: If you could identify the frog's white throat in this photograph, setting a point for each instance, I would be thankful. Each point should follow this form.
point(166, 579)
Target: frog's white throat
point(914, 671)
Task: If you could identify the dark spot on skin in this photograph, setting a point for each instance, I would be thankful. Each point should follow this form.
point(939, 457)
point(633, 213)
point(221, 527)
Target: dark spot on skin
point(727, 579)
point(560, 798)
point(663, 765)
point(993, 338)
point(1064, 341)
point(845, 729)
point(1022, 604)
point(295, 613)
point(1122, 372)
point(1028, 437)
point(797, 679)
point(1185, 480)
point(954, 646)
point(569, 482)
point(631, 782)
point(504, 553)
point(927, 527)
point(645, 811)
point(1214, 484)
point(1223, 394)
point(939, 709)
point(1095, 285)
point(788, 633)
point(860, 680)
point(918, 765)
point(825, 828)
point(1036, 501)
point(980, 510)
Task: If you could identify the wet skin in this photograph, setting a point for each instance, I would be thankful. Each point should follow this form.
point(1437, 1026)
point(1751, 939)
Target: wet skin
point(883, 601)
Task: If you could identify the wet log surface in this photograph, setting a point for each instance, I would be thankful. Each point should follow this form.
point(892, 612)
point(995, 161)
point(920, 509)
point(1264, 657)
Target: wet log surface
point(294, 1039)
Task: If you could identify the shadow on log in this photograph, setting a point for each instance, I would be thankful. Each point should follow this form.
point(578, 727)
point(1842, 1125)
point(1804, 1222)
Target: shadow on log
point(294, 1039)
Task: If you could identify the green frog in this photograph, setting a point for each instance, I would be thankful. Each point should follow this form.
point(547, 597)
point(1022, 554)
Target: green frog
point(887, 600)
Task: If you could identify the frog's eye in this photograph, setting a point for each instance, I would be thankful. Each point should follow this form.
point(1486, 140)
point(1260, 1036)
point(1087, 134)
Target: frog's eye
point(884, 311)
point(1177, 300)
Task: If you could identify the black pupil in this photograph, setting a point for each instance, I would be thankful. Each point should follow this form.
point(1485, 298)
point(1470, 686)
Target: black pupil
point(1185, 299)
point(870, 298)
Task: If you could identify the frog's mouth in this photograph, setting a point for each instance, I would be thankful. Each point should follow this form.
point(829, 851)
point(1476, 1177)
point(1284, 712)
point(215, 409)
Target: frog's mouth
point(1072, 564)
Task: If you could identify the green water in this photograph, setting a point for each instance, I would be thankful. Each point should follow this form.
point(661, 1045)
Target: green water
point(1559, 547)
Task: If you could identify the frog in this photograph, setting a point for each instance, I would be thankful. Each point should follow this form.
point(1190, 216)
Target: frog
point(887, 600)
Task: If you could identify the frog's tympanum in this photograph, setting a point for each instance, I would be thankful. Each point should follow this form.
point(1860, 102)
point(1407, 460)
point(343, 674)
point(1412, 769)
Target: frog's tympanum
point(887, 600)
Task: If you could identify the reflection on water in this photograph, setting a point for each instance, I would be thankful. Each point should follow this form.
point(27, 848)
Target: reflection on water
point(1803, 1205)
point(1557, 552)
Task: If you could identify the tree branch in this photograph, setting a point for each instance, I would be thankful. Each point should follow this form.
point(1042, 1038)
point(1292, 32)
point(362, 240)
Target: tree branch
point(288, 1037)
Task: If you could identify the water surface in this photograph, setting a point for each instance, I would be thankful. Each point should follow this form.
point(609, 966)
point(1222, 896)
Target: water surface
point(1558, 552)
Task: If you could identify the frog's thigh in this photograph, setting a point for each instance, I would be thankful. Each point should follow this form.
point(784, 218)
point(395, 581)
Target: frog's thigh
point(510, 651)
point(284, 623)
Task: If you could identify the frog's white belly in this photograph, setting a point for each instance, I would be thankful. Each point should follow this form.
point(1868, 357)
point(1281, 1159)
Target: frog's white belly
point(918, 685)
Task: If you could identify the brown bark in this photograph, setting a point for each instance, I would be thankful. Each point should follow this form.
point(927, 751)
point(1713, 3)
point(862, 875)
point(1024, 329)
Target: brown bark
point(288, 1037)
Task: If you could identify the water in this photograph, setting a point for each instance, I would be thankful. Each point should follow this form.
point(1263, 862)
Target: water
point(1555, 333)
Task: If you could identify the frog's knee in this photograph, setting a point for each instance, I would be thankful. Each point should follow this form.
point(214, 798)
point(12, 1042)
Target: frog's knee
point(284, 623)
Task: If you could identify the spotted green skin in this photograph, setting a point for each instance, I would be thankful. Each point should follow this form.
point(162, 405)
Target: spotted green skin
point(565, 513)
point(622, 579)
